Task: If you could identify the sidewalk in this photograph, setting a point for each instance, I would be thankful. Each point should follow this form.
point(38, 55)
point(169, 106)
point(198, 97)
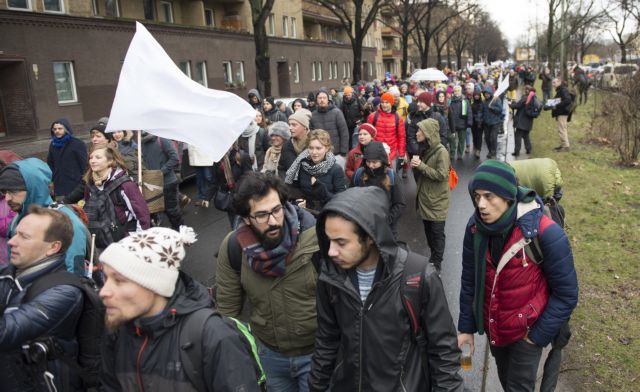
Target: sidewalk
point(38, 147)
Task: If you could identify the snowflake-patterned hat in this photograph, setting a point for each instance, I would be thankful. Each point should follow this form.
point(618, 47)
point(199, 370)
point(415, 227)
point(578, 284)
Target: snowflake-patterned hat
point(151, 258)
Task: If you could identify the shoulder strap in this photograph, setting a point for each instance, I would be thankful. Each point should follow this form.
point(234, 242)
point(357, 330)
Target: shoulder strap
point(375, 118)
point(397, 122)
point(116, 183)
point(411, 290)
point(190, 342)
point(234, 253)
point(356, 176)
point(58, 278)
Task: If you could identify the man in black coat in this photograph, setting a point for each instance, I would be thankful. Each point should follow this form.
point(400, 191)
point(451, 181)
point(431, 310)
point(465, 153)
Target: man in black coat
point(67, 158)
point(561, 112)
point(362, 341)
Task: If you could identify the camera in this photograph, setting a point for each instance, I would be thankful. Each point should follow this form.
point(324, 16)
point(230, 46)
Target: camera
point(37, 352)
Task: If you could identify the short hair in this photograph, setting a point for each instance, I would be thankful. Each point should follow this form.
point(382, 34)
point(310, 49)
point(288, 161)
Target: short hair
point(60, 228)
point(322, 136)
point(255, 186)
point(362, 234)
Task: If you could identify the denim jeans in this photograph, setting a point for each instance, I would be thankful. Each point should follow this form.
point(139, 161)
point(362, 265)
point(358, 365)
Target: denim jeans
point(204, 182)
point(517, 365)
point(285, 374)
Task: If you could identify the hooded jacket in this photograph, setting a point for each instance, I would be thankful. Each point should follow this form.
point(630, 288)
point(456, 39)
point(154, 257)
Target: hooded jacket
point(144, 355)
point(492, 111)
point(37, 176)
point(54, 313)
point(332, 120)
point(412, 128)
point(67, 163)
point(520, 119)
point(432, 182)
point(283, 309)
point(255, 92)
point(369, 347)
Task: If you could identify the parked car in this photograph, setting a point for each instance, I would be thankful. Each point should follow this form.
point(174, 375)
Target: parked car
point(613, 75)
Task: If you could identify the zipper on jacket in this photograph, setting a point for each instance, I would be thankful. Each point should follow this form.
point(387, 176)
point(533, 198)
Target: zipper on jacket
point(144, 345)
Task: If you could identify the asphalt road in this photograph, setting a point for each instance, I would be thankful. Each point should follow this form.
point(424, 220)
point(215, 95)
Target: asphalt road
point(212, 225)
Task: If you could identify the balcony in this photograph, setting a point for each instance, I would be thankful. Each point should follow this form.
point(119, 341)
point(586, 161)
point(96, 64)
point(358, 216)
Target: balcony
point(388, 32)
point(233, 22)
point(391, 53)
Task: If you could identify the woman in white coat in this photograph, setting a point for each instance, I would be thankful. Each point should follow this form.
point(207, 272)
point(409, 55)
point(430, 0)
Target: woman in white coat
point(204, 175)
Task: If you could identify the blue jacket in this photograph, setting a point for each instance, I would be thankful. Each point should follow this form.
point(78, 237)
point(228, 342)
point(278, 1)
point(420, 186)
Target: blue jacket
point(53, 313)
point(68, 163)
point(37, 176)
point(492, 110)
point(557, 268)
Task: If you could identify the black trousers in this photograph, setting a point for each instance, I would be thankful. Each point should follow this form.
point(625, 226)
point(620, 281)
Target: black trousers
point(172, 206)
point(476, 133)
point(521, 134)
point(517, 365)
point(491, 138)
point(434, 230)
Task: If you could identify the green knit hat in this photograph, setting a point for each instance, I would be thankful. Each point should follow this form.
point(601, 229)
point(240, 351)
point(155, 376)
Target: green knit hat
point(497, 177)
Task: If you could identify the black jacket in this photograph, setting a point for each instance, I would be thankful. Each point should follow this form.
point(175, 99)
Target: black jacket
point(353, 111)
point(412, 128)
point(287, 157)
point(562, 109)
point(461, 116)
point(147, 350)
point(274, 115)
point(332, 120)
point(520, 119)
point(54, 313)
point(326, 185)
point(369, 347)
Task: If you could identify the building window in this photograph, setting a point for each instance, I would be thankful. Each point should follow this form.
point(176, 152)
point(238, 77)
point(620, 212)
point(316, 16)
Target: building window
point(271, 25)
point(344, 70)
point(294, 30)
point(370, 70)
point(240, 72)
point(53, 6)
point(19, 4)
point(185, 67)
point(228, 72)
point(319, 71)
point(296, 72)
point(166, 12)
point(148, 9)
point(112, 8)
point(285, 26)
point(209, 17)
point(335, 70)
point(313, 71)
point(65, 82)
point(201, 73)
point(330, 71)
point(349, 68)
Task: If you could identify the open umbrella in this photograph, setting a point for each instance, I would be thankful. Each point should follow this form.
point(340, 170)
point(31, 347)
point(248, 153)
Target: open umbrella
point(429, 74)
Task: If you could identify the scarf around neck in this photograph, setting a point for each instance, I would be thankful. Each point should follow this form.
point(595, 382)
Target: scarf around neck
point(314, 169)
point(59, 142)
point(484, 231)
point(271, 160)
point(250, 133)
point(271, 262)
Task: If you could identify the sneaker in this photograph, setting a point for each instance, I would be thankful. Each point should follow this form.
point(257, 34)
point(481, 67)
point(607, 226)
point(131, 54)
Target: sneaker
point(205, 204)
point(563, 149)
point(184, 200)
point(558, 148)
point(489, 156)
point(515, 154)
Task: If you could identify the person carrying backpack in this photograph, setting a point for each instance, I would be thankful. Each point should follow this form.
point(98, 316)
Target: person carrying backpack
point(367, 284)
point(152, 309)
point(521, 301)
point(527, 108)
point(113, 202)
point(45, 341)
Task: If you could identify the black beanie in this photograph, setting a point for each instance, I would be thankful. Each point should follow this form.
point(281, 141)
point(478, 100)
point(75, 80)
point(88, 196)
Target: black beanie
point(375, 151)
point(11, 179)
point(270, 100)
point(100, 128)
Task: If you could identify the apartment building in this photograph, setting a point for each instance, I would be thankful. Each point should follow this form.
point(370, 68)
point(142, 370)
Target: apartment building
point(62, 58)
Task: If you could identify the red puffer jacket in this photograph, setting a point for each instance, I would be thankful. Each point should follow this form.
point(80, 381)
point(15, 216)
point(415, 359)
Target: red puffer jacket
point(515, 295)
point(387, 132)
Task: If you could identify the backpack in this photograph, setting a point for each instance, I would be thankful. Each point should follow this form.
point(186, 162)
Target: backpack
point(190, 343)
point(101, 213)
point(533, 109)
point(89, 330)
point(574, 103)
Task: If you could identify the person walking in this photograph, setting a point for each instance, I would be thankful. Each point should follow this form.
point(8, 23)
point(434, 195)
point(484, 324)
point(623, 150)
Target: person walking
point(546, 78)
point(330, 119)
point(299, 123)
point(492, 120)
point(271, 111)
point(150, 304)
point(521, 302)
point(432, 167)
point(364, 339)
point(353, 110)
point(390, 128)
point(271, 261)
point(477, 127)
point(425, 110)
point(366, 134)
point(279, 134)
point(522, 119)
point(204, 175)
point(461, 119)
point(67, 158)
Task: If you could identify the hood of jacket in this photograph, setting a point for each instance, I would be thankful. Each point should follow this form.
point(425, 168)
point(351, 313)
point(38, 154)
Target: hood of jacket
point(255, 92)
point(488, 90)
point(431, 130)
point(37, 176)
point(368, 206)
point(188, 297)
point(148, 138)
point(64, 122)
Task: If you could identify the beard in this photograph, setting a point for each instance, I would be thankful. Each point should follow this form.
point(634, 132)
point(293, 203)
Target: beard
point(113, 323)
point(15, 207)
point(266, 241)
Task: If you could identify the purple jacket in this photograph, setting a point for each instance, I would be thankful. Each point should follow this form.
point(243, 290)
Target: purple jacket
point(6, 216)
point(128, 202)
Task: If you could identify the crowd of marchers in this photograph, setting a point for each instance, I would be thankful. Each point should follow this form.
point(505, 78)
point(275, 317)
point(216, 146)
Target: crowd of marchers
point(92, 296)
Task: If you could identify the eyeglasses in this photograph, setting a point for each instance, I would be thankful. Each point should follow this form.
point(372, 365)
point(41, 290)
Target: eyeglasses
point(263, 217)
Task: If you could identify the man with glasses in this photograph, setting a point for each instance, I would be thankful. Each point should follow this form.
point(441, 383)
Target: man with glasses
point(271, 259)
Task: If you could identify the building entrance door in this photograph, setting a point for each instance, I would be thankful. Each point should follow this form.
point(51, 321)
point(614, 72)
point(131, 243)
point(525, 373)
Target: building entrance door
point(284, 81)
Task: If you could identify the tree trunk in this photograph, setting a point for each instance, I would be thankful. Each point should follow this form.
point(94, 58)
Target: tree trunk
point(405, 55)
point(449, 57)
point(439, 58)
point(357, 59)
point(623, 51)
point(550, 60)
point(459, 58)
point(263, 66)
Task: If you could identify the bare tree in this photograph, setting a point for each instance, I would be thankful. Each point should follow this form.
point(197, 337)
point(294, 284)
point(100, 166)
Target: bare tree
point(620, 16)
point(356, 17)
point(260, 10)
point(488, 43)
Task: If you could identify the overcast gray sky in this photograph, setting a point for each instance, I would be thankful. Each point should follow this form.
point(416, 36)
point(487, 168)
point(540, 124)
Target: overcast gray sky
point(514, 16)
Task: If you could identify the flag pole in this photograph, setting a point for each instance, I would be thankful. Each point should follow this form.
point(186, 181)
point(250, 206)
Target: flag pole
point(140, 160)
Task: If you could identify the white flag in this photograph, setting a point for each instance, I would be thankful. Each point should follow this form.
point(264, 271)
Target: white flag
point(155, 96)
point(503, 85)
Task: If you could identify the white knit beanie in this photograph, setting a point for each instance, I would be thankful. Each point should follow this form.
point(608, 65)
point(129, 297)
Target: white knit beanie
point(151, 258)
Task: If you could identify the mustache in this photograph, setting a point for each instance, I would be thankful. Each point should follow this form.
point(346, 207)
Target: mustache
point(272, 228)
